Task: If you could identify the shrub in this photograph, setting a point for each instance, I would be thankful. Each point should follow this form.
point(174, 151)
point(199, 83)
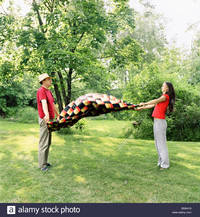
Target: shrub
point(78, 128)
point(24, 115)
point(65, 131)
point(108, 116)
point(80, 125)
point(127, 132)
point(17, 92)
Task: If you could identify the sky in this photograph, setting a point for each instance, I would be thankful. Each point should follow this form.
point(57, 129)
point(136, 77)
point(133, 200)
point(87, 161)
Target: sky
point(180, 14)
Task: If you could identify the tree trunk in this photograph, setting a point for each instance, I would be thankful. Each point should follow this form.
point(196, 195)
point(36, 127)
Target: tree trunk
point(63, 88)
point(57, 92)
point(69, 85)
point(58, 97)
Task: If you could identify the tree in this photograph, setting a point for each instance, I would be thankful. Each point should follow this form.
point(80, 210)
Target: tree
point(193, 61)
point(122, 53)
point(149, 32)
point(67, 39)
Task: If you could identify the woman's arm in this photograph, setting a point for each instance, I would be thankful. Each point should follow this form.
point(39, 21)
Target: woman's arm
point(155, 101)
point(145, 107)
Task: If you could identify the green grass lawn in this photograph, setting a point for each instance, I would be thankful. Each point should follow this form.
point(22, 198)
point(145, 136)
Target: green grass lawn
point(95, 166)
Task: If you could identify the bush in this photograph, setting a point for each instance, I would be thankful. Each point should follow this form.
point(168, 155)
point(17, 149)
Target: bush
point(78, 128)
point(144, 130)
point(17, 92)
point(11, 96)
point(127, 132)
point(122, 115)
point(65, 131)
point(80, 125)
point(108, 116)
point(184, 123)
point(24, 115)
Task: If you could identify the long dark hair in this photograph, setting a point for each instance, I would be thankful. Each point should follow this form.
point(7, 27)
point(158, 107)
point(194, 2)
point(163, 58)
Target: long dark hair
point(172, 96)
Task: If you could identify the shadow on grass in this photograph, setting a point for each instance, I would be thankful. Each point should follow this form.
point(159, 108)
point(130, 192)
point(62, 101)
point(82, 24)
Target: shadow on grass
point(114, 170)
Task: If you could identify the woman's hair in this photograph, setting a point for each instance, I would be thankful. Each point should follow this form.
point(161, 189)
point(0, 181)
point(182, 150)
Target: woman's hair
point(172, 96)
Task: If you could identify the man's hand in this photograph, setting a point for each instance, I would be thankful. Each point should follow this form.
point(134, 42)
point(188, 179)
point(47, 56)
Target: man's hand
point(58, 118)
point(46, 118)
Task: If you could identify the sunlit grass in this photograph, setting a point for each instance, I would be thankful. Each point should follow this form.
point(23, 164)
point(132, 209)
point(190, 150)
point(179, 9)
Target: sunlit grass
point(95, 166)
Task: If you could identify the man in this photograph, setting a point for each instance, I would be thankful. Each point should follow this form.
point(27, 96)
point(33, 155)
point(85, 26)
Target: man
point(46, 111)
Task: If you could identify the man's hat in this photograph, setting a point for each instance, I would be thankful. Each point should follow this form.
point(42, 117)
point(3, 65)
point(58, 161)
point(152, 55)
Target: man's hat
point(43, 76)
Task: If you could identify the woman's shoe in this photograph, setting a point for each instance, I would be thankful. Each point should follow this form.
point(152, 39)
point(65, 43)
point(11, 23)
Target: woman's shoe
point(161, 168)
point(44, 169)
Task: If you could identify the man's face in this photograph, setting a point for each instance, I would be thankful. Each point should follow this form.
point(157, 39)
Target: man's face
point(47, 82)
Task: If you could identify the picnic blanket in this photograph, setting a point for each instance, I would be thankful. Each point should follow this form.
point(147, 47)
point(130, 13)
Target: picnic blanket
point(92, 104)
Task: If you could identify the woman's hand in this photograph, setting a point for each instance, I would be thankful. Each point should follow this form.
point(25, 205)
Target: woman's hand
point(139, 108)
point(142, 104)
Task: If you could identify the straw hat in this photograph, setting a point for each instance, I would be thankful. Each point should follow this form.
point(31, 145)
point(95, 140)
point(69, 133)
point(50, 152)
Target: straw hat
point(43, 76)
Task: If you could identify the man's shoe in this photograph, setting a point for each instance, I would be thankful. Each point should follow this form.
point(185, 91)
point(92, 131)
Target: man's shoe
point(44, 169)
point(48, 165)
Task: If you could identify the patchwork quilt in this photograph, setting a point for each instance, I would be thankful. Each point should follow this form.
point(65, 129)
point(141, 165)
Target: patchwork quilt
point(92, 104)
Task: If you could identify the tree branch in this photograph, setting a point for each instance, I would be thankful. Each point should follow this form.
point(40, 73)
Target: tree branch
point(5, 13)
point(35, 7)
point(73, 50)
point(50, 6)
point(47, 6)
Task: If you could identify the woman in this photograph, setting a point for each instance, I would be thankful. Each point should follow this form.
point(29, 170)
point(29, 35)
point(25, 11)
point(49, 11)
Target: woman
point(167, 100)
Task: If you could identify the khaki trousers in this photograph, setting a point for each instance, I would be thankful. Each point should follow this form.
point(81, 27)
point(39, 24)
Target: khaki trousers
point(44, 144)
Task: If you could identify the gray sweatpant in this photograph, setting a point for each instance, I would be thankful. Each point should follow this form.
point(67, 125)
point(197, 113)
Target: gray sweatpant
point(44, 144)
point(160, 128)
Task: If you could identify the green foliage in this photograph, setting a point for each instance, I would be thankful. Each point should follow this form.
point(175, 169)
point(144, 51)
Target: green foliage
point(68, 39)
point(17, 92)
point(127, 132)
point(79, 127)
point(185, 124)
point(193, 63)
point(122, 115)
point(25, 115)
point(6, 28)
point(71, 37)
point(149, 32)
point(10, 96)
point(65, 131)
point(81, 40)
point(7, 71)
point(108, 116)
